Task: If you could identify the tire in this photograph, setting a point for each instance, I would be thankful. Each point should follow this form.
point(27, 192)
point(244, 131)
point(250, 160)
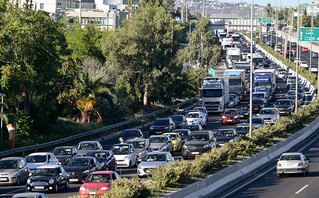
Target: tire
point(278, 174)
point(303, 174)
point(66, 186)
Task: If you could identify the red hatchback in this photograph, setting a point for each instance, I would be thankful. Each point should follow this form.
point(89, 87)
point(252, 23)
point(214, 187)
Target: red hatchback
point(258, 104)
point(98, 183)
point(230, 116)
point(304, 49)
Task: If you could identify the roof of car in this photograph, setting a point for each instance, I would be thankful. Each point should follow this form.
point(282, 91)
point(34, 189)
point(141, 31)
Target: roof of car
point(204, 131)
point(11, 158)
point(170, 133)
point(226, 129)
point(158, 136)
point(64, 147)
point(102, 172)
point(122, 144)
point(88, 142)
point(98, 151)
point(87, 157)
point(292, 153)
point(231, 109)
point(41, 153)
point(259, 92)
point(136, 139)
point(27, 194)
point(132, 130)
point(157, 152)
point(268, 108)
point(50, 166)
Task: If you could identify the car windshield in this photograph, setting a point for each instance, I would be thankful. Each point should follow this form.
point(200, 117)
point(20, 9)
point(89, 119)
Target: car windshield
point(62, 151)
point(158, 140)
point(154, 157)
point(267, 111)
point(242, 128)
point(45, 172)
point(178, 118)
point(258, 102)
point(138, 144)
point(192, 115)
point(225, 133)
point(283, 102)
point(120, 149)
point(290, 157)
point(172, 136)
point(212, 93)
point(130, 133)
point(36, 158)
point(230, 112)
point(99, 178)
point(262, 84)
point(8, 164)
point(79, 162)
point(86, 146)
point(160, 122)
point(97, 155)
point(197, 137)
point(235, 82)
point(258, 95)
point(245, 108)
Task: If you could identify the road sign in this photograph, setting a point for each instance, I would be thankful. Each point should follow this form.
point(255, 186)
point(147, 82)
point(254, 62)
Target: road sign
point(261, 19)
point(308, 34)
point(211, 72)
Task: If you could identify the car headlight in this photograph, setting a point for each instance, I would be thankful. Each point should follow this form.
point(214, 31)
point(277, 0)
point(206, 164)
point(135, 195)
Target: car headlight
point(28, 181)
point(127, 157)
point(121, 139)
point(224, 117)
point(86, 172)
point(151, 128)
point(166, 127)
point(82, 188)
point(206, 146)
point(104, 188)
point(235, 117)
point(14, 173)
point(184, 147)
point(164, 147)
point(51, 181)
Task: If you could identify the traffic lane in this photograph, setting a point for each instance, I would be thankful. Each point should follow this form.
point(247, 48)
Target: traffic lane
point(8, 191)
point(270, 185)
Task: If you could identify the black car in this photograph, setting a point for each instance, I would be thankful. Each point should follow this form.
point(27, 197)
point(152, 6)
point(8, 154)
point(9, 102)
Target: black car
point(130, 134)
point(242, 129)
point(48, 178)
point(284, 106)
point(65, 153)
point(80, 167)
point(193, 127)
point(179, 121)
point(198, 142)
point(162, 125)
point(243, 112)
point(183, 133)
point(224, 136)
point(105, 158)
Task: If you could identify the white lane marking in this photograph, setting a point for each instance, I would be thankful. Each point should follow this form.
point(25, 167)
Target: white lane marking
point(10, 193)
point(296, 193)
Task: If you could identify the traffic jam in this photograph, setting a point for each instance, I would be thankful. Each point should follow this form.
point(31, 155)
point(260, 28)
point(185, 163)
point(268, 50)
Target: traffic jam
point(220, 116)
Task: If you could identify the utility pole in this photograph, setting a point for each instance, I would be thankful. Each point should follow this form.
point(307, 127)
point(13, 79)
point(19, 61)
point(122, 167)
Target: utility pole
point(128, 9)
point(251, 71)
point(311, 43)
point(80, 14)
point(204, 5)
point(2, 96)
point(297, 64)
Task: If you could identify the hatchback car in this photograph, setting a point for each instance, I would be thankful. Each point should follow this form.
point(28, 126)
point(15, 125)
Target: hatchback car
point(161, 143)
point(230, 116)
point(257, 122)
point(284, 106)
point(35, 160)
point(196, 117)
point(179, 120)
point(270, 115)
point(193, 127)
point(183, 133)
point(85, 146)
point(98, 183)
point(65, 153)
point(130, 134)
point(258, 104)
point(290, 163)
point(48, 178)
point(153, 160)
point(105, 158)
point(13, 170)
point(203, 110)
point(225, 136)
point(141, 146)
point(161, 125)
point(125, 155)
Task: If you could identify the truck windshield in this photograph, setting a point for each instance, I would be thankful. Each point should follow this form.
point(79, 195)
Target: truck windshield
point(235, 82)
point(234, 57)
point(213, 93)
point(262, 84)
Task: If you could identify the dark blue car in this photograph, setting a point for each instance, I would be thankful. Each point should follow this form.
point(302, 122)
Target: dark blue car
point(225, 135)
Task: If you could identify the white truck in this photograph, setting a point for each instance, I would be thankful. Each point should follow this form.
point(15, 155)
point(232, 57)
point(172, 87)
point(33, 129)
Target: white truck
point(237, 82)
point(227, 42)
point(233, 54)
point(215, 93)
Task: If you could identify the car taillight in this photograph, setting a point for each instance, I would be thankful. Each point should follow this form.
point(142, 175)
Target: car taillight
point(278, 164)
point(300, 164)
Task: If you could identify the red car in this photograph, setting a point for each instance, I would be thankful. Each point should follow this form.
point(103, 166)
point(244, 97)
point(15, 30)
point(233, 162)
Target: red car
point(245, 42)
point(230, 116)
point(304, 49)
point(258, 104)
point(293, 51)
point(98, 183)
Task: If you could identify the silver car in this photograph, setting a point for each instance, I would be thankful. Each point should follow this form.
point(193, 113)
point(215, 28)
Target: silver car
point(141, 147)
point(161, 143)
point(86, 146)
point(290, 163)
point(153, 160)
point(270, 115)
point(30, 195)
point(13, 170)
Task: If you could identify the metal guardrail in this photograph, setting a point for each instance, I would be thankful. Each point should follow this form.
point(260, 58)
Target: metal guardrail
point(92, 132)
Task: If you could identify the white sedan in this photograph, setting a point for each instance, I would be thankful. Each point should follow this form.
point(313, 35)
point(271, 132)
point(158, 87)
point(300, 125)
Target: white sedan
point(290, 163)
point(304, 64)
point(196, 118)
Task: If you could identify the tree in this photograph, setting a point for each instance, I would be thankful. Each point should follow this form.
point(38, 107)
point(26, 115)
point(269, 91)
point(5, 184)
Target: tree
point(269, 10)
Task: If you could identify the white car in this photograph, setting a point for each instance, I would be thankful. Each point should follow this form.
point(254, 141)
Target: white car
point(203, 110)
point(291, 163)
point(304, 64)
point(153, 160)
point(35, 160)
point(270, 115)
point(196, 118)
point(125, 155)
point(314, 68)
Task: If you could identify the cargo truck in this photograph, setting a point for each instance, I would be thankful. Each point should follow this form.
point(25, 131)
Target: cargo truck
point(265, 81)
point(237, 82)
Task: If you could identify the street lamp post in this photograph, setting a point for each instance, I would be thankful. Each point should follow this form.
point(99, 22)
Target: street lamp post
point(251, 72)
point(2, 96)
point(297, 63)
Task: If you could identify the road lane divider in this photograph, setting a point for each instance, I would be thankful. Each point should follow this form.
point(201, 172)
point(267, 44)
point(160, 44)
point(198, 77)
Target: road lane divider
point(303, 188)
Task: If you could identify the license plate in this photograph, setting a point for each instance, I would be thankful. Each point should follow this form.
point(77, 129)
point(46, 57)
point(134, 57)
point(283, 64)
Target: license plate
point(3, 179)
point(229, 120)
point(74, 180)
point(195, 153)
point(92, 193)
point(256, 108)
point(39, 187)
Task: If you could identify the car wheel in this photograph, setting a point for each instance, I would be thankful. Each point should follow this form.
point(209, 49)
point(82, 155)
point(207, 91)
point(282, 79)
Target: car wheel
point(278, 174)
point(56, 188)
point(307, 172)
point(67, 185)
point(135, 164)
point(18, 181)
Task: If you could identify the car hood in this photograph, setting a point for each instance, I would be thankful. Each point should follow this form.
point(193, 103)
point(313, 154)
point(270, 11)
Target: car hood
point(282, 106)
point(197, 143)
point(7, 171)
point(178, 122)
point(76, 168)
point(192, 119)
point(157, 145)
point(41, 178)
point(154, 164)
point(83, 152)
point(257, 105)
point(229, 116)
point(97, 185)
point(35, 165)
point(62, 158)
point(121, 157)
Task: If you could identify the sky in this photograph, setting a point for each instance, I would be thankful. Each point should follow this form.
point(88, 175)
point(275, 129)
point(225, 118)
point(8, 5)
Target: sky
point(292, 3)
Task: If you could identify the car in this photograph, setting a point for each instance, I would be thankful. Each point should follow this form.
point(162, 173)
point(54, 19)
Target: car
point(304, 49)
point(153, 160)
point(105, 158)
point(304, 64)
point(86, 146)
point(48, 178)
point(198, 142)
point(233, 100)
point(292, 163)
point(79, 168)
point(293, 51)
point(193, 127)
point(243, 112)
point(65, 153)
point(296, 60)
point(258, 104)
point(268, 43)
point(203, 110)
point(281, 74)
point(183, 133)
point(292, 98)
point(301, 90)
point(130, 134)
point(179, 120)
point(230, 116)
point(141, 146)
point(278, 48)
point(30, 195)
point(98, 183)
point(225, 136)
point(270, 115)
point(196, 117)
point(257, 122)
point(284, 106)
point(161, 143)
point(125, 155)
point(292, 93)
point(291, 80)
point(176, 139)
point(262, 95)
point(314, 68)
point(13, 170)
point(242, 129)
point(314, 54)
point(35, 160)
point(161, 125)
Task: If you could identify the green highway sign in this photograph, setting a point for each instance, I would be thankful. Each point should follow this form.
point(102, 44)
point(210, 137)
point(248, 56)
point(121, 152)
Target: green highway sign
point(261, 19)
point(211, 72)
point(309, 34)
